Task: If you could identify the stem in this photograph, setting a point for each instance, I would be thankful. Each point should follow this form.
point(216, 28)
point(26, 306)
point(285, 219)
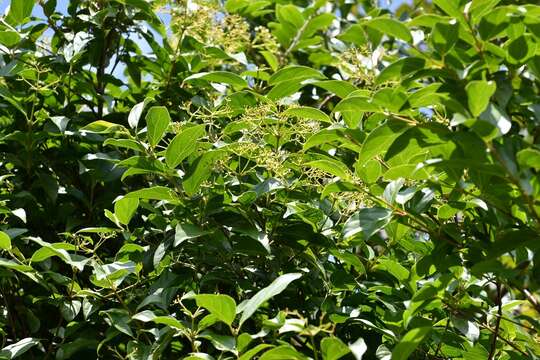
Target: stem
point(497, 323)
point(315, 352)
point(440, 343)
point(296, 39)
point(100, 87)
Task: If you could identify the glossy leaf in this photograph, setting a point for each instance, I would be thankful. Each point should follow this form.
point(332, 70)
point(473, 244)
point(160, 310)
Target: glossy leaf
point(125, 208)
point(222, 306)
point(5, 241)
point(154, 193)
point(183, 145)
point(367, 222)
point(157, 120)
point(294, 72)
point(22, 346)
point(479, 93)
point(187, 231)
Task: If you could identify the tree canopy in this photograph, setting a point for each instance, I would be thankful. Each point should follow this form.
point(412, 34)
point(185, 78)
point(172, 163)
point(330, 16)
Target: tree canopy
point(270, 179)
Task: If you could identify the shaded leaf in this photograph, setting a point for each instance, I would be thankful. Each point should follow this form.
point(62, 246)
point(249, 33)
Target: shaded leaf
point(410, 342)
point(367, 221)
point(276, 287)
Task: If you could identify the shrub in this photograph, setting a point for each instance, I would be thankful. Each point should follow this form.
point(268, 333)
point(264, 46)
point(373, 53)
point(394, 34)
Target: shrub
point(269, 179)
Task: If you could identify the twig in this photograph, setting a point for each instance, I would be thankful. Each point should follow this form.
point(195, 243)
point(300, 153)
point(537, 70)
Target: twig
point(296, 39)
point(508, 342)
point(497, 323)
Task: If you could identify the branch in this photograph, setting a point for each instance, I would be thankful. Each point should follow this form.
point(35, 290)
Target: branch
point(296, 39)
point(497, 323)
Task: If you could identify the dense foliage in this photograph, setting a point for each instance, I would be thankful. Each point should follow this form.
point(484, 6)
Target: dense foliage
point(270, 179)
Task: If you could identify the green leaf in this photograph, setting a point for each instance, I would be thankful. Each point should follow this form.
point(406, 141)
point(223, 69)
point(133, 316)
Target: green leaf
point(307, 113)
point(157, 120)
point(529, 158)
point(119, 319)
point(394, 268)
point(339, 87)
point(60, 250)
point(354, 34)
point(426, 295)
point(9, 38)
point(349, 259)
point(401, 68)
point(521, 49)
point(9, 264)
point(5, 241)
point(283, 352)
point(492, 123)
point(379, 140)
point(410, 342)
point(188, 231)
point(342, 136)
point(169, 321)
point(295, 72)
point(276, 287)
point(154, 193)
point(101, 127)
point(125, 208)
point(136, 112)
point(222, 306)
point(200, 171)
point(19, 10)
point(479, 92)
point(15, 350)
point(466, 327)
point(252, 352)
point(125, 143)
point(271, 59)
point(352, 109)
point(390, 27)
point(183, 145)
point(367, 221)
point(284, 89)
point(290, 14)
point(333, 349)
point(224, 77)
point(220, 342)
point(451, 8)
point(144, 316)
point(445, 35)
point(331, 166)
